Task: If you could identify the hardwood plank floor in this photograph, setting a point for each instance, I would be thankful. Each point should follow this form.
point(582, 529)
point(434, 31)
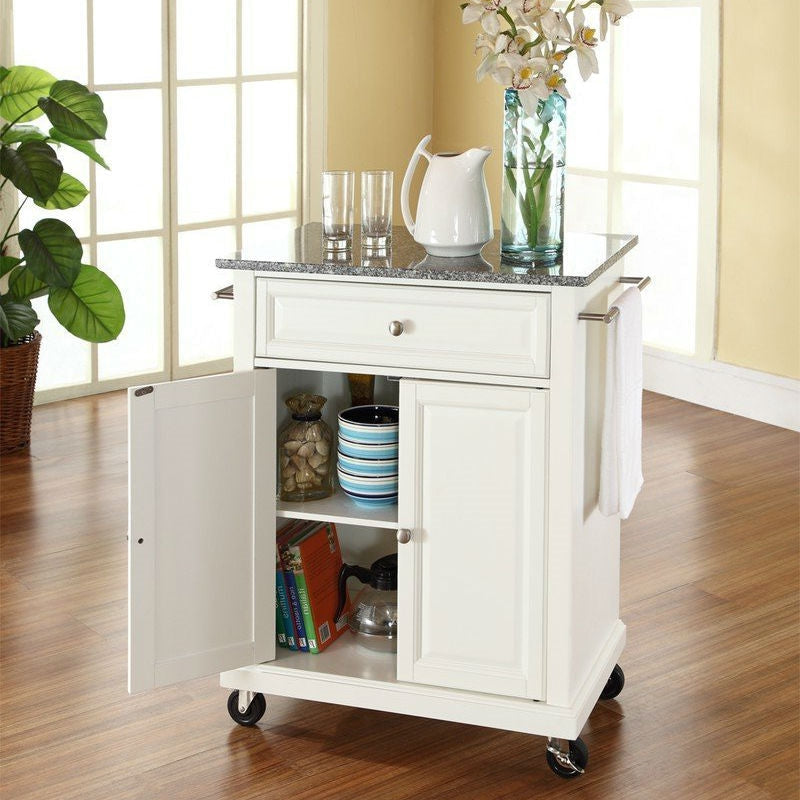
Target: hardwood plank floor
point(709, 593)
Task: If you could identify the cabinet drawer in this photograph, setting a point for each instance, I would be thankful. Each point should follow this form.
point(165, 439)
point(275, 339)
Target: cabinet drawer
point(458, 330)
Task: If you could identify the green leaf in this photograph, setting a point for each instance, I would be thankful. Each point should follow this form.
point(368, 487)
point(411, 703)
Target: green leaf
point(91, 308)
point(23, 133)
point(20, 90)
point(3, 73)
point(52, 252)
point(7, 263)
point(74, 110)
point(70, 193)
point(24, 285)
point(17, 317)
point(33, 168)
point(87, 148)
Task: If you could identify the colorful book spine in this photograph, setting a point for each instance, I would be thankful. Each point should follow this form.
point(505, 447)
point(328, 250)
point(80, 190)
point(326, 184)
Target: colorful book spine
point(280, 630)
point(295, 534)
point(297, 613)
point(305, 607)
point(286, 614)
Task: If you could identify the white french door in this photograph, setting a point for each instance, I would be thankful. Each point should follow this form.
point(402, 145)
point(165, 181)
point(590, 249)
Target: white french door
point(642, 157)
point(205, 142)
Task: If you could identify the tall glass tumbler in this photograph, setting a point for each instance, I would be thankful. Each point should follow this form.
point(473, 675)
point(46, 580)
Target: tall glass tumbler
point(337, 209)
point(376, 208)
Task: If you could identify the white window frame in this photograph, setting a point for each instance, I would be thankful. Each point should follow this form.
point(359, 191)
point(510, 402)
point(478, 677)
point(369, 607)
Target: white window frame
point(310, 76)
point(707, 183)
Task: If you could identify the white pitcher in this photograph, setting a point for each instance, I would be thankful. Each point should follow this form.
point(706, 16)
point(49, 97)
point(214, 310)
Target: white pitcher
point(454, 217)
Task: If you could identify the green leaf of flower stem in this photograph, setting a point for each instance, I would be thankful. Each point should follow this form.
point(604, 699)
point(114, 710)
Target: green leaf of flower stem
point(25, 285)
point(22, 133)
point(85, 147)
point(52, 252)
point(75, 111)
point(92, 308)
point(20, 90)
point(17, 317)
point(70, 193)
point(33, 168)
point(7, 263)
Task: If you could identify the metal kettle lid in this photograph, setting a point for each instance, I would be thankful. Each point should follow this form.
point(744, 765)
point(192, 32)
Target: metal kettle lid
point(384, 573)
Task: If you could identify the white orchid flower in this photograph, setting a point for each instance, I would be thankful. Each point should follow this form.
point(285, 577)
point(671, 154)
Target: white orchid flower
point(584, 41)
point(486, 12)
point(532, 10)
point(555, 26)
point(506, 43)
point(613, 11)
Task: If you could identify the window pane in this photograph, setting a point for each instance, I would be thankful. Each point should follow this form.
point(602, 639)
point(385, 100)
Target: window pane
point(77, 165)
point(127, 44)
point(206, 38)
point(269, 147)
point(269, 37)
point(41, 27)
point(206, 165)
point(665, 217)
point(661, 92)
point(586, 204)
point(272, 236)
point(205, 326)
point(587, 113)
point(129, 196)
point(64, 360)
point(136, 266)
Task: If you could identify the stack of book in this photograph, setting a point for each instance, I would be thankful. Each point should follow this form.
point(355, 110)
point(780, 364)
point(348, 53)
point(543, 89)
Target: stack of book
point(308, 560)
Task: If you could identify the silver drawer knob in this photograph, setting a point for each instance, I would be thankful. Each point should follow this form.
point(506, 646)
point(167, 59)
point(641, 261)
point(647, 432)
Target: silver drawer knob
point(396, 327)
point(404, 535)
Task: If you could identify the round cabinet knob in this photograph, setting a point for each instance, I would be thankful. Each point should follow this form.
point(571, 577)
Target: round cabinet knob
point(396, 327)
point(404, 535)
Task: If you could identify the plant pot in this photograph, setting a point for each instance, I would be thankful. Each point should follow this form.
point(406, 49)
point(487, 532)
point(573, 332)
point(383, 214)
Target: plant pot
point(17, 381)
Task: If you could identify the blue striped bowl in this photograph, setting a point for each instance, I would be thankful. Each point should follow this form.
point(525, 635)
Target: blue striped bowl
point(380, 450)
point(367, 467)
point(369, 424)
point(367, 487)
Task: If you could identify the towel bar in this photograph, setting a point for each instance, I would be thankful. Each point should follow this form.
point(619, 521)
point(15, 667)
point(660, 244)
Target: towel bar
point(613, 312)
point(226, 293)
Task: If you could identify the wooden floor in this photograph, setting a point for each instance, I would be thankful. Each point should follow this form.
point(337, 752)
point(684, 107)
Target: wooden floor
point(709, 594)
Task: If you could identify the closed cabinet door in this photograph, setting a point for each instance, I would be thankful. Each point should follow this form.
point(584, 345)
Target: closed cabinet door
point(471, 577)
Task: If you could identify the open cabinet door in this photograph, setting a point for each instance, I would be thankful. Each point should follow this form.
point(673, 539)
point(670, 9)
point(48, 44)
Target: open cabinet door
point(201, 560)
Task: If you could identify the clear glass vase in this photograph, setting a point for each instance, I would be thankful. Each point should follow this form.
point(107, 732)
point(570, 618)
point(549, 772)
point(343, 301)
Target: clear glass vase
point(534, 154)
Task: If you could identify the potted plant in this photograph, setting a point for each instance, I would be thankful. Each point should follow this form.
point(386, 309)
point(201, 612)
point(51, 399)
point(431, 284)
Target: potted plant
point(48, 258)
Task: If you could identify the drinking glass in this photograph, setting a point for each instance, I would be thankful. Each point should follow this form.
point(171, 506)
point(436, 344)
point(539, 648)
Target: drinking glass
point(337, 209)
point(376, 208)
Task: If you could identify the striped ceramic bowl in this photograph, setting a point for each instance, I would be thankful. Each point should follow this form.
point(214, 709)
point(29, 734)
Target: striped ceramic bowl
point(367, 467)
point(369, 424)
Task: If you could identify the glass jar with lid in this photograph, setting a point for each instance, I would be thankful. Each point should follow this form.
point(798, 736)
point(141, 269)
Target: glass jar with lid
point(305, 451)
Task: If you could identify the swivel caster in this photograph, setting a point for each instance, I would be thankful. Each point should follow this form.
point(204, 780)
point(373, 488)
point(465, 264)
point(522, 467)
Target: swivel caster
point(252, 713)
point(614, 684)
point(567, 763)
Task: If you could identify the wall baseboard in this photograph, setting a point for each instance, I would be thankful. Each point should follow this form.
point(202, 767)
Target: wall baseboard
point(745, 392)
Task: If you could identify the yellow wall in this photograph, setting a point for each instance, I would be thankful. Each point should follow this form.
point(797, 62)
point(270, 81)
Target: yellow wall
point(379, 85)
point(759, 267)
point(418, 56)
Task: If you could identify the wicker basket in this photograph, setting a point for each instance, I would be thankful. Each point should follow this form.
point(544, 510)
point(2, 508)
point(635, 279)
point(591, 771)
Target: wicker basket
point(17, 381)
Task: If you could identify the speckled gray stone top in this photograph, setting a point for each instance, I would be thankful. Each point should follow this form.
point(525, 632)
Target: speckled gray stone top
point(585, 257)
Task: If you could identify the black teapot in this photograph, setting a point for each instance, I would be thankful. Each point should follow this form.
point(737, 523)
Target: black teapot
point(373, 619)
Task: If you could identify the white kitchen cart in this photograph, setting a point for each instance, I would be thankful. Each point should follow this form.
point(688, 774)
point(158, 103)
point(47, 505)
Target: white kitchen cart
point(508, 584)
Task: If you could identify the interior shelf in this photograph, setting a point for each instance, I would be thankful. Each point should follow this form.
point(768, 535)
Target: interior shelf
point(345, 658)
point(341, 509)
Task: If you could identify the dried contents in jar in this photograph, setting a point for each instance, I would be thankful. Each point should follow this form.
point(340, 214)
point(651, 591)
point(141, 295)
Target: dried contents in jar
point(304, 451)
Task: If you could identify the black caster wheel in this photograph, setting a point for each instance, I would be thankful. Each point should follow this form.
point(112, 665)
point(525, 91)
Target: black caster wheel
point(614, 684)
point(256, 709)
point(578, 755)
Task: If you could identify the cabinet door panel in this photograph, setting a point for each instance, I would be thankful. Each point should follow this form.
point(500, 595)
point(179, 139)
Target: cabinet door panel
point(201, 527)
point(471, 579)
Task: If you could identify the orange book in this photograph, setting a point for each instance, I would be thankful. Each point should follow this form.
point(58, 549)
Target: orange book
point(316, 560)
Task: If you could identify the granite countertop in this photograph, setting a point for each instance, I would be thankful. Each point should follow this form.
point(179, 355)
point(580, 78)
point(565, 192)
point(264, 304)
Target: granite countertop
point(585, 257)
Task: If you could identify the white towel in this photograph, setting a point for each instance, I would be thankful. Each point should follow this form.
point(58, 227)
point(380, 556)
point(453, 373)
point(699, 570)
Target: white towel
point(621, 455)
